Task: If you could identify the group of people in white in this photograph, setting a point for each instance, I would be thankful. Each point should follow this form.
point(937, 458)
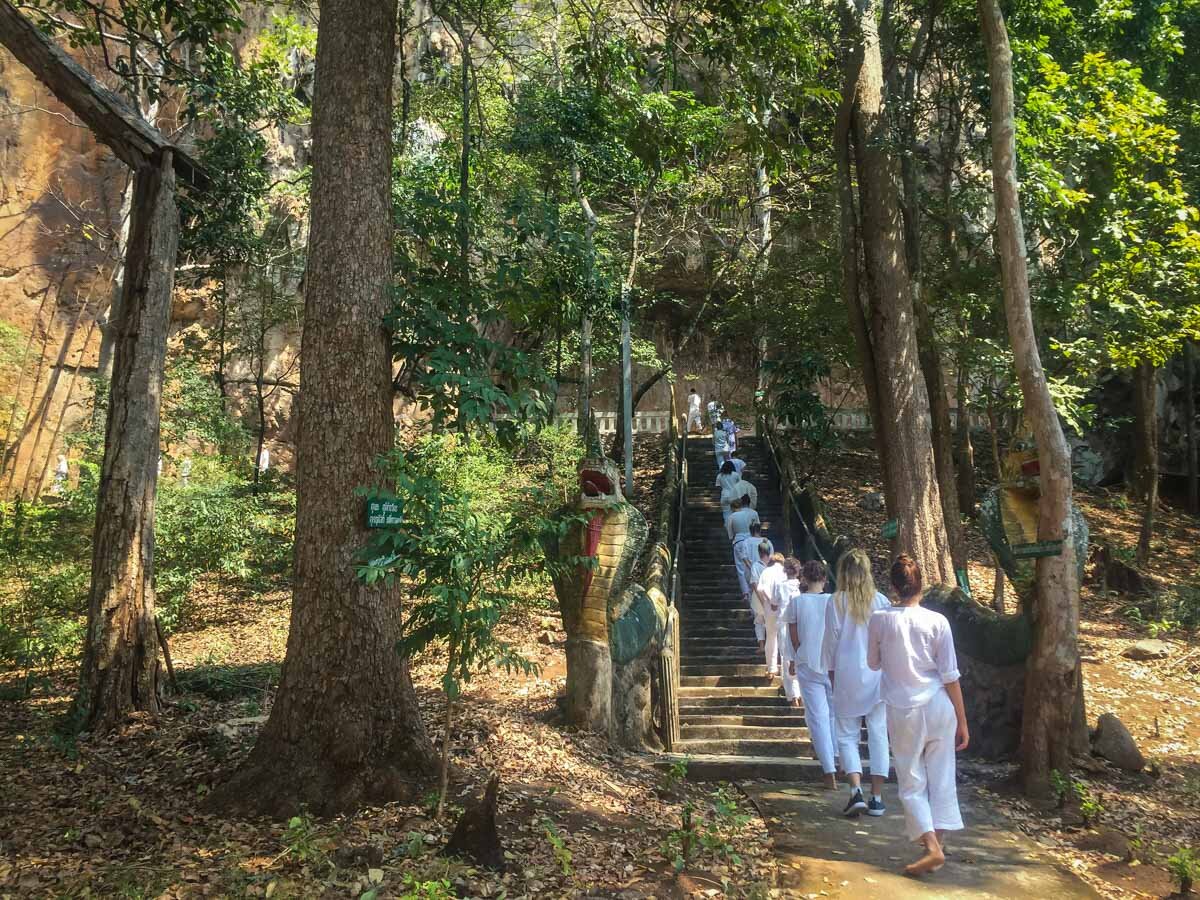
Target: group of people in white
point(852, 654)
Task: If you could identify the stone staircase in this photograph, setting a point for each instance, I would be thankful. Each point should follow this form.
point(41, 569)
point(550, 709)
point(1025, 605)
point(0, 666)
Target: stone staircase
point(732, 724)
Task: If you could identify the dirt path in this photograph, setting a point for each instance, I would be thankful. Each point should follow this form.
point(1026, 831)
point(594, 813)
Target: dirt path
point(823, 854)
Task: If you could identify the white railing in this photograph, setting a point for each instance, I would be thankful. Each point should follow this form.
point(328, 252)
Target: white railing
point(860, 420)
point(649, 422)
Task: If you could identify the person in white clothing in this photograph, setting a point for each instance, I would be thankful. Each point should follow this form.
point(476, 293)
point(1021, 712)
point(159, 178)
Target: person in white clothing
point(748, 492)
point(806, 630)
point(741, 543)
point(720, 445)
point(732, 431)
point(914, 649)
point(741, 518)
point(714, 413)
point(739, 465)
point(856, 692)
point(766, 550)
point(774, 574)
point(785, 592)
point(727, 481)
point(693, 414)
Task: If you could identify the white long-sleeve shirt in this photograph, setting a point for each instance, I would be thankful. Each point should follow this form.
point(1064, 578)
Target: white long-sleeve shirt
point(728, 483)
point(807, 613)
point(768, 583)
point(740, 522)
point(856, 687)
point(914, 649)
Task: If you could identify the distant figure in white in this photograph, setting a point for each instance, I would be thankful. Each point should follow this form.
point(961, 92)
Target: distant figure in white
point(264, 460)
point(61, 470)
point(693, 415)
point(185, 471)
point(714, 413)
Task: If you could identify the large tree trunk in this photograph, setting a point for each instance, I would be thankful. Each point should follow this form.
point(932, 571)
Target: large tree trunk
point(910, 474)
point(1145, 450)
point(120, 663)
point(345, 728)
point(851, 263)
point(1053, 675)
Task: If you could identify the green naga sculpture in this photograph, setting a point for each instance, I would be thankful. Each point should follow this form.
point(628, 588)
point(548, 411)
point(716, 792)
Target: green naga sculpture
point(993, 647)
point(614, 627)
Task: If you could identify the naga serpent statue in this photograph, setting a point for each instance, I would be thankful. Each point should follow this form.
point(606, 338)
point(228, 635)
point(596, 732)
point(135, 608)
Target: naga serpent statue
point(614, 627)
point(992, 646)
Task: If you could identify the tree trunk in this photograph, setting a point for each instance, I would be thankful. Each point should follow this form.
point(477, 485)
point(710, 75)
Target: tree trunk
point(345, 728)
point(1053, 673)
point(966, 449)
point(910, 473)
point(1145, 427)
point(1189, 413)
point(120, 663)
point(848, 217)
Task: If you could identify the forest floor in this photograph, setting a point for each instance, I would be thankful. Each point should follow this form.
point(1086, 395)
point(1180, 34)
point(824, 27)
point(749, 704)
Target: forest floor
point(1143, 818)
point(127, 815)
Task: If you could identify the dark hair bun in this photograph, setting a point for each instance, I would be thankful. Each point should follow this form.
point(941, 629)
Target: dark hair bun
point(906, 576)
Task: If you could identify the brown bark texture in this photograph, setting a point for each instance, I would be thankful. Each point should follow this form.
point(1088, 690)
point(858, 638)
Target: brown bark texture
point(345, 728)
point(120, 663)
point(1189, 413)
point(1145, 452)
point(1052, 675)
point(904, 422)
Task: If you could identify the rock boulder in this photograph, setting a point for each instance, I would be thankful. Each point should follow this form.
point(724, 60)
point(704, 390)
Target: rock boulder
point(1112, 741)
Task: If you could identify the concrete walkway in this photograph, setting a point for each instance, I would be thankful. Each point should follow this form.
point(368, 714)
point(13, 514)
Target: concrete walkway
point(824, 854)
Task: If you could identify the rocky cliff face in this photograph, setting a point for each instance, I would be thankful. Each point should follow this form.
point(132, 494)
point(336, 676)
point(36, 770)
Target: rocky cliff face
point(60, 199)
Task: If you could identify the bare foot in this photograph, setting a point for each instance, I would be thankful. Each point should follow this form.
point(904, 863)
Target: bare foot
point(830, 781)
point(930, 862)
point(795, 704)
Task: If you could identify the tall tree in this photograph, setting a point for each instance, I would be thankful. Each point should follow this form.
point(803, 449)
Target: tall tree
point(887, 328)
point(120, 664)
point(345, 728)
point(1052, 675)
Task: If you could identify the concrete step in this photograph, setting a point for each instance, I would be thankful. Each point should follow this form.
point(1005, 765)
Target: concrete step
point(739, 655)
point(796, 747)
point(749, 680)
point(723, 670)
point(787, 732)
point(730, 694)
point(751, 719)
point(743, 768)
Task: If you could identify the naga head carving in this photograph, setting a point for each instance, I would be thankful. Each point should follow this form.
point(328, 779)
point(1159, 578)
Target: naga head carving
point(599, 484)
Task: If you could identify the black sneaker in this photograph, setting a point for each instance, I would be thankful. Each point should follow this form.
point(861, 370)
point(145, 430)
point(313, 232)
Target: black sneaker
point(855, 805)
point(876, 807)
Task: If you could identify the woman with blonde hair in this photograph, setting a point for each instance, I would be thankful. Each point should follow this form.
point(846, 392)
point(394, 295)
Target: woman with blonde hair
point(855, 686)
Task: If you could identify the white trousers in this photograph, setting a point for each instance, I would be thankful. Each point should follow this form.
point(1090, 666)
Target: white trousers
point(693, 419)
point(787, 655)
point(756, 608)
point(923, 747)
point(771, 639)
point(848, 730)
point(818, 703)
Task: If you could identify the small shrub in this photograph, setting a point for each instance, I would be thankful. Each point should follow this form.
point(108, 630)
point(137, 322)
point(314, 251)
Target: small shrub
point(562, 853)
point(1184, 864)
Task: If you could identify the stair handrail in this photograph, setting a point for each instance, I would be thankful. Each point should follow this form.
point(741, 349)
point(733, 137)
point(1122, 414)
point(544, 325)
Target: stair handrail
point(791, 510)
point(671, 545)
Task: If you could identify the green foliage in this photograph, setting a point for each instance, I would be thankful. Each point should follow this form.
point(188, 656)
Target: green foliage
point(712, 835)
point(302, 840)
point(1184, 864)
point(1071, 788)
point(417, 888)
point(562, 853)
point(674, 776)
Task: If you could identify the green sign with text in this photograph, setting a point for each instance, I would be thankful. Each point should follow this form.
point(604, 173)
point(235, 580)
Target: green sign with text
point(383, 513)
point(890, 529)
point(1041, 548)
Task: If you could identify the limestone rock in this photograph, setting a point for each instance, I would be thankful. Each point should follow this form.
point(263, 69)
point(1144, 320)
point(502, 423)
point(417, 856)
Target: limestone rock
point(872, 502)
point(1148, 649)
point(237, 728)
point(1113, 742)
point(1106, 840)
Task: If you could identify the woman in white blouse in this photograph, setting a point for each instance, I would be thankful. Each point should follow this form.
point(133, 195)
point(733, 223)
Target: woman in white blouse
point(914, 649)
point(855, 686)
